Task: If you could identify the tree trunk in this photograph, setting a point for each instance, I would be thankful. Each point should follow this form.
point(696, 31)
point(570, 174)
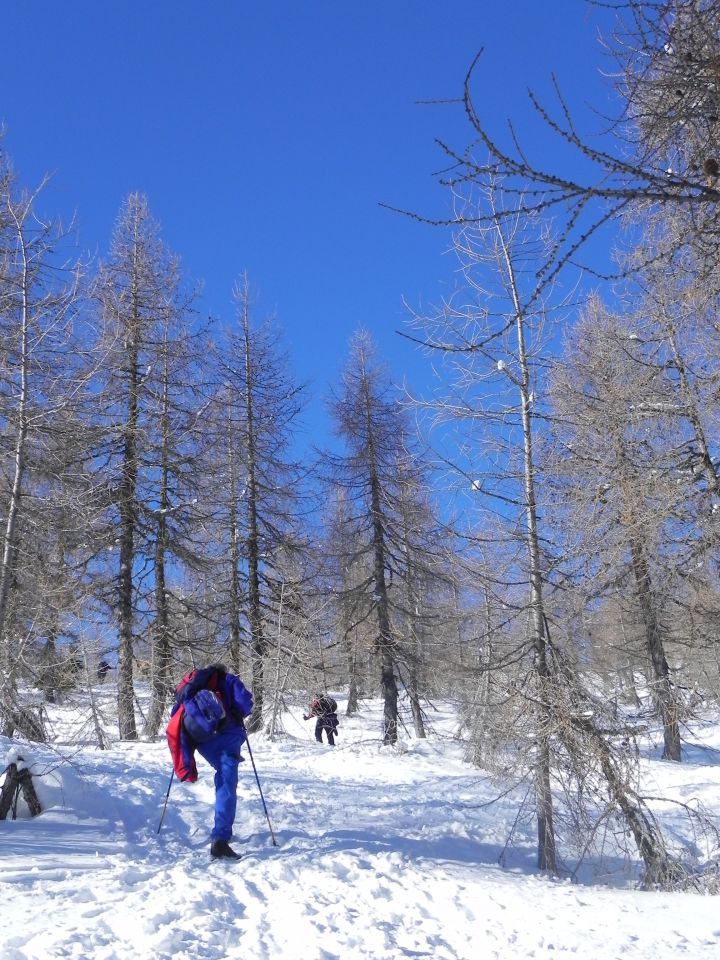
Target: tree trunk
point(546, 829)
point(353, 693)
point(257, 638)
point(480, 748)
point(160, 682)
point(8, 667)
point(128, 486)
point(414, 656)
point(386, 643)
point(235, 593)
point(660, 869)
point(17, 781)
point(662, 690)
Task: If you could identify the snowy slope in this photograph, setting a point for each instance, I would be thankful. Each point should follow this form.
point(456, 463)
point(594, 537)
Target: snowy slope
point(382, 854)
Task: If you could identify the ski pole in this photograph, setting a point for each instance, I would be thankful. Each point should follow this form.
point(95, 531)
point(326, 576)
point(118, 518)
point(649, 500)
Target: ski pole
point(162, 817)
point(267, 815)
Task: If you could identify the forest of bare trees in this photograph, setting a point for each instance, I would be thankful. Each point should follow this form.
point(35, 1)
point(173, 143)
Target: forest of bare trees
point(533, 537)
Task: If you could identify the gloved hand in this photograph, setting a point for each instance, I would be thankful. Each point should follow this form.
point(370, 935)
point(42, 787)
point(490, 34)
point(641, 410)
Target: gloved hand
point(305, 718)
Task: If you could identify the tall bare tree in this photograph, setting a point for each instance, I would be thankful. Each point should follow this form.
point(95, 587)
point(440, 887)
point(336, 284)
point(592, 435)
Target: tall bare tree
point(258, 510)
point(492, 347)
point(620, 433)
point(373, 473)
point(137, 291)
point(174, 518)
point(41, 375)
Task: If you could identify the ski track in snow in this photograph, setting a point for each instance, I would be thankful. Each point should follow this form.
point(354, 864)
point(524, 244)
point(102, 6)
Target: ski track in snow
point(380, 855)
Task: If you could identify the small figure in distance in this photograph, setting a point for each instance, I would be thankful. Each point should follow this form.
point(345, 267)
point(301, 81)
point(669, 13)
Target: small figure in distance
point(324, 707)
point(208, 716)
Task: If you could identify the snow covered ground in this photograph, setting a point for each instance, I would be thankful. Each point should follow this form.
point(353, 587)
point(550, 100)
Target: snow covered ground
point(383, 853)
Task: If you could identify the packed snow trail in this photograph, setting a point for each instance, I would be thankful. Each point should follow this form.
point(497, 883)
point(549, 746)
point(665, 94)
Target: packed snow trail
point(382, 854)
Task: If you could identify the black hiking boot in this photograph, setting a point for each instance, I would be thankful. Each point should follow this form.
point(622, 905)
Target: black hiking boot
point(222, 849)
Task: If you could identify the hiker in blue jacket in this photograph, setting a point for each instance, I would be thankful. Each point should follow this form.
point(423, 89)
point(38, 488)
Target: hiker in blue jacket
point(208, 716)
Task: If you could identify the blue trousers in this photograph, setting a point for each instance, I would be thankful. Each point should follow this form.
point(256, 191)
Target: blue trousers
point(222, 752)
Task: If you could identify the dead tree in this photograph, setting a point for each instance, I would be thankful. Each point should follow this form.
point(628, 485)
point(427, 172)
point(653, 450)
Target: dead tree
point(18, 780)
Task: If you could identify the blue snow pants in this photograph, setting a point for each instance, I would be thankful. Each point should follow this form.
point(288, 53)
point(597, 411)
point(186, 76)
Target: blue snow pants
point(222, 752)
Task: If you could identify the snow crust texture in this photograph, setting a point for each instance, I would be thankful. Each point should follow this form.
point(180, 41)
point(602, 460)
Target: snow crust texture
point(383, 854)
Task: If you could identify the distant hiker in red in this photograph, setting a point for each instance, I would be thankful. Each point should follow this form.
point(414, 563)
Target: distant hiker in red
point(325, 709)
point(210, 706)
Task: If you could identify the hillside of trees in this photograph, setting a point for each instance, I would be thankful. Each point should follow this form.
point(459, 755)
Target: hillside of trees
point(533, 537)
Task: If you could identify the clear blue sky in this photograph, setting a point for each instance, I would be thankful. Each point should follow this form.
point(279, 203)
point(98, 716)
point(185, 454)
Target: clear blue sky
point(265, 133)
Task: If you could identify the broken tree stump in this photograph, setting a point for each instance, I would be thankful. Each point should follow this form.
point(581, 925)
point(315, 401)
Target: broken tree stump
point(18, 781)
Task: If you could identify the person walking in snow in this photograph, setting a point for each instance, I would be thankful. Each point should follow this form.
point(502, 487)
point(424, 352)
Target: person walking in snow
point(208, 716)
point(325, 709)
